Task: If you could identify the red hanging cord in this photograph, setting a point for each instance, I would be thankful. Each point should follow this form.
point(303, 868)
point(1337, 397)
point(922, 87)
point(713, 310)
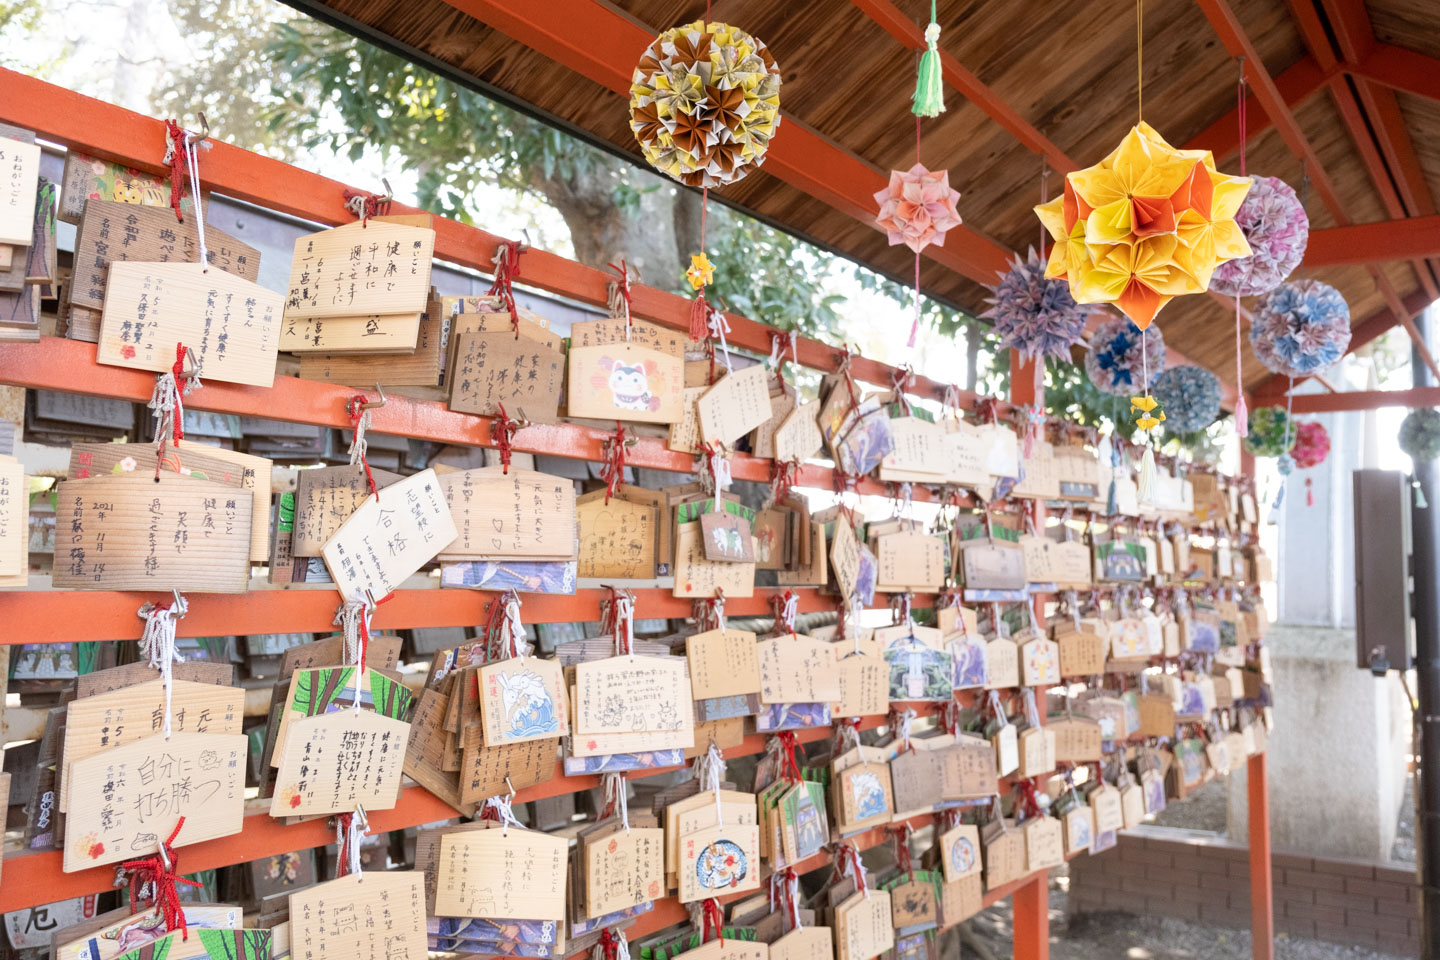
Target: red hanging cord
point(624, 287)
point(614, 470)
point(178, 369)
point(713, 922)
point(356, 410)
point(342, 858)
point(504, 433)
point(902, 850)
point(789, 767)
point(507, 268)
point(783, 475)
point(609, 944)
point(160, 872)
point(175, 155)
point(366, 205)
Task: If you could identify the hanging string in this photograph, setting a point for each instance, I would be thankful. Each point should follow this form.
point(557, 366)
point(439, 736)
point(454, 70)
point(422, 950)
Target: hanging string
point(709, 771)
point(355, 408)
point(613, 945)
point(501, 810)
point(915, 324)
point(180, 146)
point(504, 433)
point(617, 801)
point(157, 875)
point(780, 341)
point(901, 835)
point(366, 205)
point(851, 867)
point(717, 467)
point(619, 298)
point(157, 645)
point(1140, 60)
point(1242, 412)
point(353, 619)
point(713, 926)
point(717, 609)
point(168, 403)
point(792, 897)
point(789, 765)
point(787, 606)
point(507, 268)
point(614, 469)
point(700, 274)
point(350, 830)
point(718, 327)
point(783, 476)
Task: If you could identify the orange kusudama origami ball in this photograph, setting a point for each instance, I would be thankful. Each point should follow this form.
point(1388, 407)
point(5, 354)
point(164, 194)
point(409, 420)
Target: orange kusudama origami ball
point(1145, 224)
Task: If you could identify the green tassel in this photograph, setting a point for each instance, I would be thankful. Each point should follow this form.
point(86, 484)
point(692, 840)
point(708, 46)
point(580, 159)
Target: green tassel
point(930, 86)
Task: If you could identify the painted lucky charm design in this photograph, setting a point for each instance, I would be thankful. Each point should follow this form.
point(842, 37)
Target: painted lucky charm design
point(633, 386)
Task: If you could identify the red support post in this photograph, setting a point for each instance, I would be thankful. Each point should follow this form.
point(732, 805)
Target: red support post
point(1031, 900)
point(1262, 887)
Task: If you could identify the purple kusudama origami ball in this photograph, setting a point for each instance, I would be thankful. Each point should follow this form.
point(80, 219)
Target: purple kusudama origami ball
point(1274, 222)
point(1033, 315)
point(1118, 357)
point(1301, 328)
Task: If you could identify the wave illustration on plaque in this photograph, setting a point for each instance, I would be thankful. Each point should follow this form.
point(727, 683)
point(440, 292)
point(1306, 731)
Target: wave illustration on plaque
point(529, 709)
point(868, 794)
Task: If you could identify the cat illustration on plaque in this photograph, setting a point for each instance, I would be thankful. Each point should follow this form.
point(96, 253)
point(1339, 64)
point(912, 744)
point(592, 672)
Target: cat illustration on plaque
point(868, 794)
point(629, 384)
point(529, 709)
point(721, 864)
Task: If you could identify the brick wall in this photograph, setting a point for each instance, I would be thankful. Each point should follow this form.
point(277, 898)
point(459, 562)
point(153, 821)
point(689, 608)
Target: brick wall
point(1207, 879)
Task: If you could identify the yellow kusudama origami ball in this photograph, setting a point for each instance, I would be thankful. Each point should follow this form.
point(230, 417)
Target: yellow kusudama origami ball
point(1146, 224)
point(704, 103)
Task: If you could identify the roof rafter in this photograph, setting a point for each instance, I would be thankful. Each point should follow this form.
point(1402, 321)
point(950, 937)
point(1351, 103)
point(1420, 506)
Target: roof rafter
point(1232, 35)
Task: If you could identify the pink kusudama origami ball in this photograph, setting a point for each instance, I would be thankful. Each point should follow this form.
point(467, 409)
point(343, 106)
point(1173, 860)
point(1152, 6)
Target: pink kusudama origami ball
point(918, 207)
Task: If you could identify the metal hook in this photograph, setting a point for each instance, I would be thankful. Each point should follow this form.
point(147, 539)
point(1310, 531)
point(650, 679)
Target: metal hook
point(179, 608)
point(522, 421)
point(204, 129)
point(389, 194)
point(194, 363)
point(523, 247)
point(372, 404)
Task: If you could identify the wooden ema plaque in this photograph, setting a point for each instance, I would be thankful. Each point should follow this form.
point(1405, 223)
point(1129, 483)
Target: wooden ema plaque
point(1039, 662)
point(1002, 664)
point(622, 868)
point(912, 901)
point(797, 438)
point(864, 683)
point(1077, 739)
point(909, 560)
point(734, 406)
point(231, 324)
point(1081, 654)
point(375, 915)
point(960, 852)
point(864, 928)
point(1004, 855)
point(130, 532)
point(325, 498)
point(915, 453)
point(1037, 751)
point(1044, 843)
point(516, 874)
point(524, 699)
point(719, 860)
point(617, 539)
point(359, 270)
point(865, 796)
point(961, 900)
point(723, 663)
point(101, 723)
point(137, 792)
point(500, 369)
point(488, 770)
point(806, 943)
point(970, 769)
point(338, 761)
point(797, 669)
point(377, 333)
point(696, 576)
point(19, 180)
point(522, 513)
point(389, 537)
point(625, 381)
point(632, 694)
point(731, 949)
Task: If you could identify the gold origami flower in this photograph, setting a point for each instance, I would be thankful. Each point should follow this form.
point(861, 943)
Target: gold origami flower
point(1144, 406)
point(1146, 224)
point(645, 122)
point(691, 133)
point(692, 48)
point(724, 109)
point(701, 271)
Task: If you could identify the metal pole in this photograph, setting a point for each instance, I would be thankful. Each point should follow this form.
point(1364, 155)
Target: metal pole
point(1425, 526)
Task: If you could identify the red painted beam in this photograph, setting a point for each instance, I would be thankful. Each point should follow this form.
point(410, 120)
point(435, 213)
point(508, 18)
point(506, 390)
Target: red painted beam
point(602, 44)
point(1365, 400)
point(1232, 35)
point(1400, 69)
point(105, 130)
point(1406, 238)
point(1296, 85)
point(900, 25)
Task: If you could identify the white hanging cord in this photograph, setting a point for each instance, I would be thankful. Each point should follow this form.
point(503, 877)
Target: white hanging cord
point(519, 646)
point(719, 326)
point(157, 645)
point(907, 720)
point(856, 608)
point(789, 611)
point(502, 805)
point(192, 142)
point(710, 771)
point(792, 891)
point(849, 737)
point(1032, 712)
point(998, 708)
point(353, 617)
point(348, 838)
point(617, 798)
point(719, 607)
point(625, 623)
point(358, 444)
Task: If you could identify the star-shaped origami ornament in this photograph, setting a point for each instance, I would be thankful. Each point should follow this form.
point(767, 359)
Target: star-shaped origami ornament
point(1144, 225)
point(918, 207)
point(701, 271)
